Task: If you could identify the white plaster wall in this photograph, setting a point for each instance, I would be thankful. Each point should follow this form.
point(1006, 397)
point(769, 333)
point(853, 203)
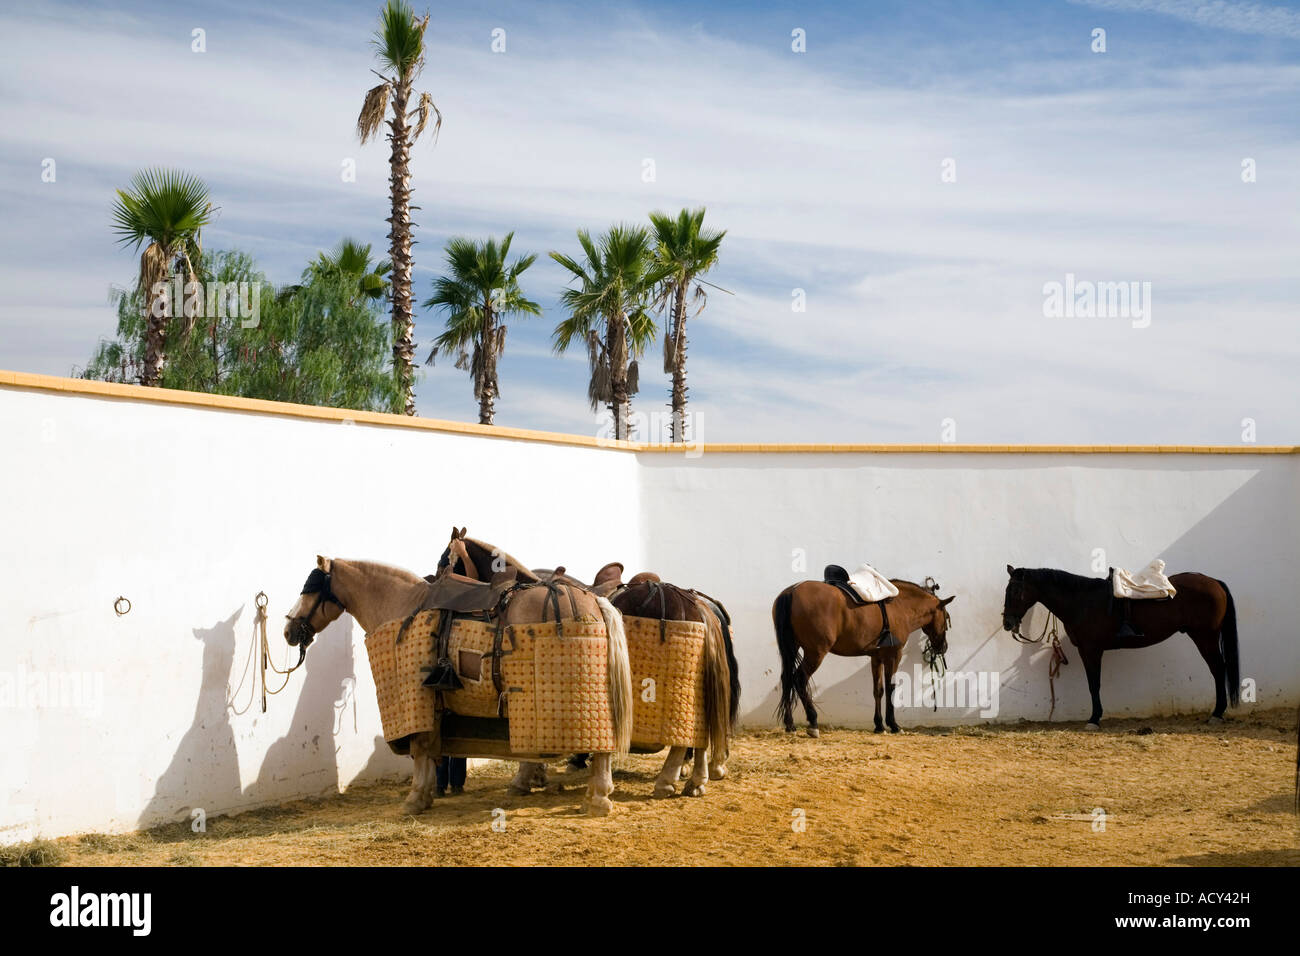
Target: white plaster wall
point(962, 518)
point(189, 512)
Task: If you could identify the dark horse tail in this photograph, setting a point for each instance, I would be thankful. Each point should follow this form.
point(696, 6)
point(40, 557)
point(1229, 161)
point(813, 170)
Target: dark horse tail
point(1228, 635)
point(792, 677)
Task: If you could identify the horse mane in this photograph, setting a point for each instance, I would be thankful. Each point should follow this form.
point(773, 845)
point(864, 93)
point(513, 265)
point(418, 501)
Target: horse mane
point(1064, 580)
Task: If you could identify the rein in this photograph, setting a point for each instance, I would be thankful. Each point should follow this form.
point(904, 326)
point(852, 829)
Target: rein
point(936, 661)
point(261, 646)
point(1053, 637)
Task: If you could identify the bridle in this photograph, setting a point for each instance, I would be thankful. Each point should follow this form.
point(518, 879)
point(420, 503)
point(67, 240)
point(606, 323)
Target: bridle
point(1015, 630)
point(1050, 635)
point(935, 659)
point(318, 583)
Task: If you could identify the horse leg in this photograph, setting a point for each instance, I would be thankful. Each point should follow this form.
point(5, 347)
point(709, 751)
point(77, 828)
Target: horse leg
point(601, 785)
point(1092, 667)
point(522, 783)
point(685, 769)
point(1207, 642)
point(811, 661)
point(422, 777)
point(664, 783)
point(877, 689)
point(890, 666)
point(699, 776)
point(718, 764)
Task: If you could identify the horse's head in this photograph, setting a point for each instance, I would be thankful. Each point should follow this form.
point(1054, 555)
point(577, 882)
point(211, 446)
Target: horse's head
point(937, 624)
point(1020, 597)
point(317, 607)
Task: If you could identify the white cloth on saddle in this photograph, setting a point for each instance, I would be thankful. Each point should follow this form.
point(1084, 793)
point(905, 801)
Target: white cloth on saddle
point(871, 584)
point(1148, 583)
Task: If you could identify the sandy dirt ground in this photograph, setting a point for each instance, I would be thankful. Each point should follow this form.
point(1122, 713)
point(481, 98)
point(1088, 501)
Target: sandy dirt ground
point(1173, 791)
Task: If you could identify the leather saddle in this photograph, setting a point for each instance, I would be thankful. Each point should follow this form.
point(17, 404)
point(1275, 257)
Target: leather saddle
point(457, 596)
point(835, 575)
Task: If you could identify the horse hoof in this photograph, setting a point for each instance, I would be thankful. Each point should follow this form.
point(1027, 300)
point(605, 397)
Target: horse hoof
point(663, 791)
point(517, 791)
point(878, 729)
point(789, 730)
point(894, 729)
point(415, 803)
point(814, 732)
point(693, 790)
point(599, 807)
point(718, 772)
point(1090, 727)
point(1215, 720)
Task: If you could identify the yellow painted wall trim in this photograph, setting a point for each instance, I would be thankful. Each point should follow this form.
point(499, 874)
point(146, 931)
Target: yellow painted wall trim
point(170, 396)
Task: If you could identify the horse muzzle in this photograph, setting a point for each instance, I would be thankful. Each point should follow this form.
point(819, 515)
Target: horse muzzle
point(1010, 623)
point(299, 633)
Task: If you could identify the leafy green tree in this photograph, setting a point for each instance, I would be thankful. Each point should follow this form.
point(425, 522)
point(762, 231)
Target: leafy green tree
point(349, 258)
point(480, 291)
point(687, 251)
point(400, 49)
point(609, 311)
point(166, 209)
point(323, 344)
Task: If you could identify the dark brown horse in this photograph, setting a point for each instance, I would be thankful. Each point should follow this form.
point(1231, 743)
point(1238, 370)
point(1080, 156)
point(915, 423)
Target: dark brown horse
point(1203, 609)
point(813, 619)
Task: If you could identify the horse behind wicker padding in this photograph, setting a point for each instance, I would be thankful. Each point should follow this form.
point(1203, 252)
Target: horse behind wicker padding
point(681, 679)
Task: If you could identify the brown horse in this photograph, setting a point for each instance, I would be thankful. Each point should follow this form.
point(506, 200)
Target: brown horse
point(375, 594)
point(813, 619)
point(1203, 609)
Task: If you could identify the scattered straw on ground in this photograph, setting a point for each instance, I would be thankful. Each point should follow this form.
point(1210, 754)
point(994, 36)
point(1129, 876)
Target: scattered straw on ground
point(1173, 790)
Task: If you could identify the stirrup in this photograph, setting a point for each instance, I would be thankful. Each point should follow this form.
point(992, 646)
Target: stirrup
point(442, 676)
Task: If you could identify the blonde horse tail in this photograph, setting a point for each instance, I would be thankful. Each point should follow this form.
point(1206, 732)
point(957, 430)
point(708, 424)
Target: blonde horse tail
point(620, 675)
point(717, 684)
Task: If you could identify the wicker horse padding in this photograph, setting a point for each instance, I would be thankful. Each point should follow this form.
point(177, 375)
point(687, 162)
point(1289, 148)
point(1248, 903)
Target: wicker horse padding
point(555, 681)
point(667, 682)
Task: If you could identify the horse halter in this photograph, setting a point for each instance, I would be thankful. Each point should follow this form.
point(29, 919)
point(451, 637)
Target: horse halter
point(1015, 630)
point(318, 583)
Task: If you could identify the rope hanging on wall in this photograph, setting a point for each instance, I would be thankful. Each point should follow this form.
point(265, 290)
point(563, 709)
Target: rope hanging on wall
point(262, 648)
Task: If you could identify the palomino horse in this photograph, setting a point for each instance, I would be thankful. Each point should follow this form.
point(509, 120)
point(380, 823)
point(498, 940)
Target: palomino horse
point(813, 619)
point(1202, 608)
point(376, 594)
point(647, 596)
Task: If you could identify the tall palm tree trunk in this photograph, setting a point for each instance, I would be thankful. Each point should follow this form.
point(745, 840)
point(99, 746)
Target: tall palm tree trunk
point(678, 432)
point(400, 250)
point(155, 339)
point(618, 375)
point(487, 390)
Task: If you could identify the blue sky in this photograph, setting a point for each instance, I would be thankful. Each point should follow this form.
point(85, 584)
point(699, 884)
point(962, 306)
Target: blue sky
point(924, 298)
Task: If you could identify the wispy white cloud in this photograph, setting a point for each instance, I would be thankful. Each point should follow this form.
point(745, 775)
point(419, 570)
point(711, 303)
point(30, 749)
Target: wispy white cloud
point(923, 296)
point(1214, 14)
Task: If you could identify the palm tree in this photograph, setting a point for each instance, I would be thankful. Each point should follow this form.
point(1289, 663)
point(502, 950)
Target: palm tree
point(478, 294)
point(349, 258)
point(400, 45)
point(688, 251)
point(167, 209)
point(610, 312)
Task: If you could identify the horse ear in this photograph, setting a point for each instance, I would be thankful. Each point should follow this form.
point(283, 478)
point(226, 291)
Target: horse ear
point(462, 534)
point(323, 563)
point(1010, 569)
point(946, 601)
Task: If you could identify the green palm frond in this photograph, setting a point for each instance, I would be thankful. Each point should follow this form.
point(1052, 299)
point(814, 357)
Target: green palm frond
point(479, 282)
point(166, 206)
point(399, 41)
